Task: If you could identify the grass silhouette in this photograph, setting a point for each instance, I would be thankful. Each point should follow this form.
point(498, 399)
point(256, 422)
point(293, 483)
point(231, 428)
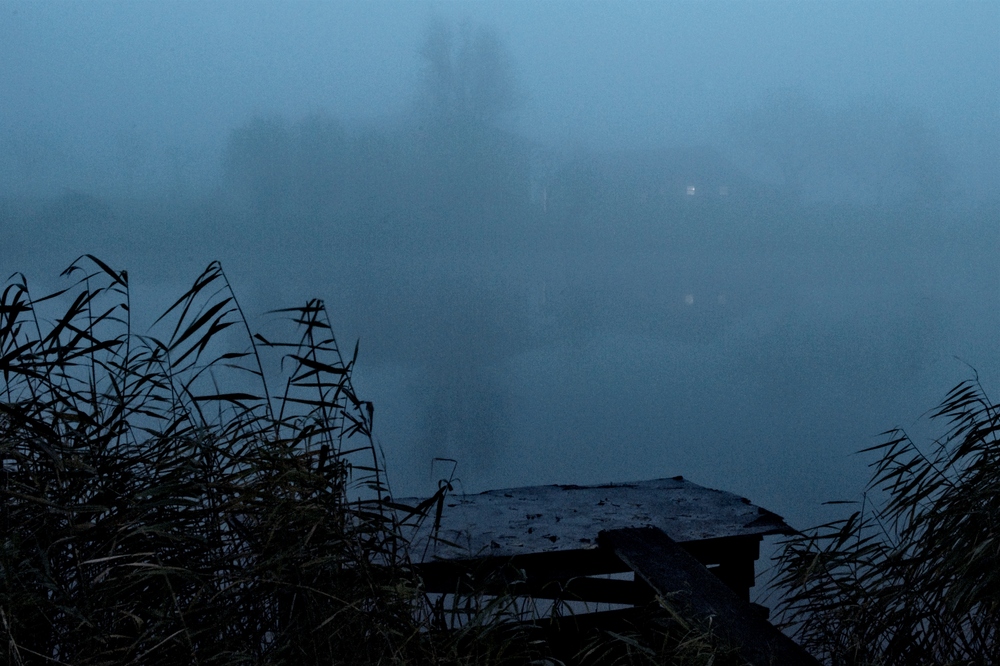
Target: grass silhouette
point(161, 506)
point(912, 576)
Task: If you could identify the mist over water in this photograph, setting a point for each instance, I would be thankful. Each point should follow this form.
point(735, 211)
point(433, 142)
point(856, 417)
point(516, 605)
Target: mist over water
point(578, 242)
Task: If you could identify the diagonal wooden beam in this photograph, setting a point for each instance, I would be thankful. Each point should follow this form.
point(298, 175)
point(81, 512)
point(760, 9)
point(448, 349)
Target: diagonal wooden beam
point(695, 592)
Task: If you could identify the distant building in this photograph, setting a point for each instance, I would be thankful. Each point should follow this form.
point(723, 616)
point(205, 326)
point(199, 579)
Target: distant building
point(644, 177)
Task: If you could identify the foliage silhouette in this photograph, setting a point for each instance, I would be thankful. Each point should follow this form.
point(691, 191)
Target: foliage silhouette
point(914, 576)
point(160, 506)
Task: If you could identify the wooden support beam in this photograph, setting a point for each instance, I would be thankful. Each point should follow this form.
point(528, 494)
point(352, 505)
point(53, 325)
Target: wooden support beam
point(507, 579)
point(592, 590)
point(682, 581)
point(535, 568)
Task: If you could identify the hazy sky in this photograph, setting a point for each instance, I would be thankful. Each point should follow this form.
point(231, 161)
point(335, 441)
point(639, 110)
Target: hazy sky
point(108, 98)
point(154, 87)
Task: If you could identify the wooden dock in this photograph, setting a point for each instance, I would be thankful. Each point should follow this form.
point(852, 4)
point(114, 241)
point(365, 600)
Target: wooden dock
point(684, 544)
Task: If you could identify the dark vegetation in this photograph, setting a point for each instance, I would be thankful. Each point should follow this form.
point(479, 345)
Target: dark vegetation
point(913, 576)
point(159, 506)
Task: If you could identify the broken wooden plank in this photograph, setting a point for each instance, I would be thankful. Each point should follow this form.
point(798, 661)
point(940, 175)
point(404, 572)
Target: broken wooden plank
point(693, 591)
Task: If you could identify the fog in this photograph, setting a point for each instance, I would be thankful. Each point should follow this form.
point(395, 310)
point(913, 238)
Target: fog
point(578, 242)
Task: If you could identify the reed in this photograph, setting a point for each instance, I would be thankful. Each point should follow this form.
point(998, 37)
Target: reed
point(160, 505)
point(913, 575)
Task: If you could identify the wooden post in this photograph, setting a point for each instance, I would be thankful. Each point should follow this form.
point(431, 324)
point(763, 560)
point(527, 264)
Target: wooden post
point(680, 579)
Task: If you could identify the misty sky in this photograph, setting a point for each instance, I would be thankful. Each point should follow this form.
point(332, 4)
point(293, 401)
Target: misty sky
point(609, 334)
point(148, 90)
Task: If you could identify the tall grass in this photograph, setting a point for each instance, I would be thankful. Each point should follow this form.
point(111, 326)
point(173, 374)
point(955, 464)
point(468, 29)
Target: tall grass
point(912, 577)
point(161, 506)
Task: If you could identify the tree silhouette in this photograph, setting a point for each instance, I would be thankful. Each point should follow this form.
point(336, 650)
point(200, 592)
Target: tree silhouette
point(472, 171)
point(275, 165)
point(468, 76)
